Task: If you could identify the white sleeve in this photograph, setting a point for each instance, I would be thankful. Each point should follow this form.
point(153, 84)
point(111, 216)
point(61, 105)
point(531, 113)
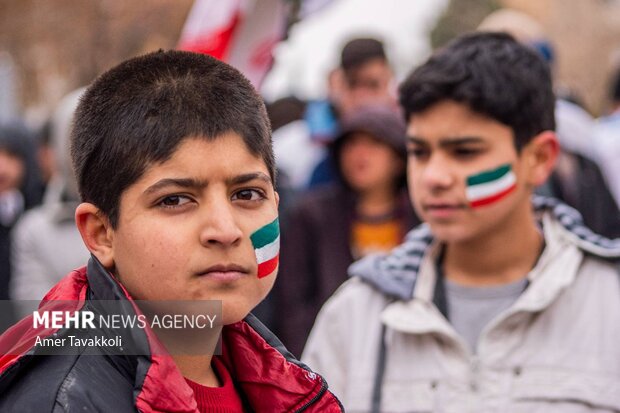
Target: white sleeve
point(327, 348)
point(29, 280)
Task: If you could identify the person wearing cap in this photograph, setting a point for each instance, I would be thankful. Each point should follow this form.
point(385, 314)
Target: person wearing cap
point(331, 226)
point(363, 77)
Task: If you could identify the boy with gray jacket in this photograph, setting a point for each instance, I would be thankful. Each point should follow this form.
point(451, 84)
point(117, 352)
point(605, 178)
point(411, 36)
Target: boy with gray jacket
point(500, 302)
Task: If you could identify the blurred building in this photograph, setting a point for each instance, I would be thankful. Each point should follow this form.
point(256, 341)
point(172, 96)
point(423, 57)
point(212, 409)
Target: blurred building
point(57, 46)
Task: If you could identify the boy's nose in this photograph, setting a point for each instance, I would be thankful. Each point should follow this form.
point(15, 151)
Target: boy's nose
point(437, 174)
point(220, 229)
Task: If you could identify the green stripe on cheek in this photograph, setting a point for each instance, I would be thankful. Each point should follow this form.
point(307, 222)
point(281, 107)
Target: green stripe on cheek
point(266, 234)
point(488, 176)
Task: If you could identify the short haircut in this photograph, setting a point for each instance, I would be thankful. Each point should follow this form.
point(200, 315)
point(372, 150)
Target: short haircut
point(359, 51)
point(139, 112)
point(494, 75)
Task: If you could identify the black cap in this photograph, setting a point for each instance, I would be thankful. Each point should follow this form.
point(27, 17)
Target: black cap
point(380, 121)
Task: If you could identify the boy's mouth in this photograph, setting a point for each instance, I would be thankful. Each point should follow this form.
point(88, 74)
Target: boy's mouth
point(225, 272)
point(441, 209)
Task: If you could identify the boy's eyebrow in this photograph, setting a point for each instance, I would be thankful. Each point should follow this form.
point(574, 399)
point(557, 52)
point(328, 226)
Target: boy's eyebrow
point(241, 179)
point(447, 142)
point(200, 184)
point(177, 182)
point(416, 140)
point(461, 140)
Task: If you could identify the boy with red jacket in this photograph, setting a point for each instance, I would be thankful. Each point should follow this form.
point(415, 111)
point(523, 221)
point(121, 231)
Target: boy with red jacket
point(173, 157)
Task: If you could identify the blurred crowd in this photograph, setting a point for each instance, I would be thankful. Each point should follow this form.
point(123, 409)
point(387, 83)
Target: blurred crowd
point(38, 195)
point(341, 162)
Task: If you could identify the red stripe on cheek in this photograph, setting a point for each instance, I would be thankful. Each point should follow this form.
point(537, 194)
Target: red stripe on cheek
point(492, 199)
point(268, 267)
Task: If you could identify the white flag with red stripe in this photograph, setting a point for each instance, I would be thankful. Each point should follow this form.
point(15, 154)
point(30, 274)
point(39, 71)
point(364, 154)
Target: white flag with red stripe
point(242, 33)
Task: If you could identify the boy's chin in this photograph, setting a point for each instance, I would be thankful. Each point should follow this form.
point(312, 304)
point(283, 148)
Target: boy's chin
point(452, 235)
point(232, 315)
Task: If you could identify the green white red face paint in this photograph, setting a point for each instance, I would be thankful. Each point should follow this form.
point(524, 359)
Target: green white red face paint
point(266, 243)
point(490, 186)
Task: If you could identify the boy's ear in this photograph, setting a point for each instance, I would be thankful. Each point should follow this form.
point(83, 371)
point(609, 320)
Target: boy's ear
point(539, 157)
point(277, 196)
point(96, 232)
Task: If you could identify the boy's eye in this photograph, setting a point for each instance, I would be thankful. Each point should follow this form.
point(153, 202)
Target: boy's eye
point(172, 201)
point(466, 152)
point(417, 152)
point(248, 195)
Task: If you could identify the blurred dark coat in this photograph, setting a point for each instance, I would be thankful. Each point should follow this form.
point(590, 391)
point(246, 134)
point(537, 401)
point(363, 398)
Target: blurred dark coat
point(579, 182)
point(315, 255)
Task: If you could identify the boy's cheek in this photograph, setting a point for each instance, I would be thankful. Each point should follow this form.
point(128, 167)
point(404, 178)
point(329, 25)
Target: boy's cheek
point(268, 283)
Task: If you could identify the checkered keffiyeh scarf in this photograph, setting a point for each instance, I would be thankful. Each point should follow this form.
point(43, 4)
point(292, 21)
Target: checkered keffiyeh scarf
point(395, 273)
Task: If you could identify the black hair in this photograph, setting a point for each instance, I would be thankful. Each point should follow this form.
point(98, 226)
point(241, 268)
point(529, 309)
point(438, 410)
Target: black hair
point(491, 73)
point(359, 51)
point(138, 113)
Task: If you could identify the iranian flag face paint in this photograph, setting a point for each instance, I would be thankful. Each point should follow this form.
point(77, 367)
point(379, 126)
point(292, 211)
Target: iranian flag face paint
point(488, 187)
point(266, 243)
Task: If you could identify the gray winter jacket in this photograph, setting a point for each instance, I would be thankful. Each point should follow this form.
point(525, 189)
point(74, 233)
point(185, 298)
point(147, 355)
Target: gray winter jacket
point(383, 345)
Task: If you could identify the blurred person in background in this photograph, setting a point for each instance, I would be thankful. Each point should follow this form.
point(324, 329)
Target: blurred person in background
point(364, 76)
point(366, 211)
point(577, 178)
point(607, 139)
point(20, 189)
point(46, 243)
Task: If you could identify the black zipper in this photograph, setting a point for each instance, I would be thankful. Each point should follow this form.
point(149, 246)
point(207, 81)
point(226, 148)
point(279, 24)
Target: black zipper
point(315, 398)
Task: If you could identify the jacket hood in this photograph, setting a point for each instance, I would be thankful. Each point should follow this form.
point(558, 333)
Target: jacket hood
point(395, 273)
point(381, 121)
point(384, 123)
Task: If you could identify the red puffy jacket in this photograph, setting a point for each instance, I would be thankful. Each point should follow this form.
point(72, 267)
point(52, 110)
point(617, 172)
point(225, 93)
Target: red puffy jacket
point(269, 378)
